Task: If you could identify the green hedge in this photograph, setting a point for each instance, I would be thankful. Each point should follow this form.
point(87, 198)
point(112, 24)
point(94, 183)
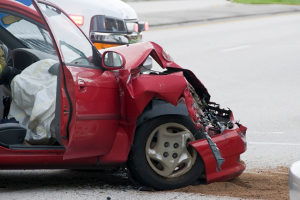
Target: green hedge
point(293, 2)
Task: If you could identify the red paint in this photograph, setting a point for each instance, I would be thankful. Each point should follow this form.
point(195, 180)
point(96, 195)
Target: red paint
point(231, 145)
point(15, 7)
point(40, 159)
point(95, 112)
point(105, 107)
point(139, 52)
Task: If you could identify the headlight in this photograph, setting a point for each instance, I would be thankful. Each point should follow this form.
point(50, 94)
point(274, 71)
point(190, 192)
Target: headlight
point(104, 24)
point(137, 27)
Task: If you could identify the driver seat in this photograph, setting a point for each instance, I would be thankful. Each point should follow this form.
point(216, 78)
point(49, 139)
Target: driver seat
point(12, 133)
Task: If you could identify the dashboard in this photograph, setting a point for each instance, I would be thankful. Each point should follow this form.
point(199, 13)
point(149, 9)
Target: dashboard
point(21, 58)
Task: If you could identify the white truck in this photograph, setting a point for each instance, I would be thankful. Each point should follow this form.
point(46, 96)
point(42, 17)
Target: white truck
point(108, 23)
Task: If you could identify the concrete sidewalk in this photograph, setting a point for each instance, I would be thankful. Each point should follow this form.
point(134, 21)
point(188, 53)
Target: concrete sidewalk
point(146, 7)
point(169, 12)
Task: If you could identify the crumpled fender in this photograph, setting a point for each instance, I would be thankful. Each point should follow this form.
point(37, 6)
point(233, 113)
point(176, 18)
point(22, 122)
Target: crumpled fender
point(135, 95)
point(144, 88)
point(136, 91)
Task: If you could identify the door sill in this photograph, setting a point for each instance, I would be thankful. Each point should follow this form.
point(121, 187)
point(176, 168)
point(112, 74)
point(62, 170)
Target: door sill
point(35, 147)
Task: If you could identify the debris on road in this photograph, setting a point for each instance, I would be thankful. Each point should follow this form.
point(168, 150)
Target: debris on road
point(252, 184)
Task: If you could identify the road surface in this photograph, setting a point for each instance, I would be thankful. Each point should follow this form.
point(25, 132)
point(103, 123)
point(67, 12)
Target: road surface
point(251, 65)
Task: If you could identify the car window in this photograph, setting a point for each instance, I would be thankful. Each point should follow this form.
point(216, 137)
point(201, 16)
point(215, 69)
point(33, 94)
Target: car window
point(31, 34)
point(75, 47)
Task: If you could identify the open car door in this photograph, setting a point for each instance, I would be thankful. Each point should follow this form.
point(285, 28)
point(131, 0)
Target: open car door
point(87, 106)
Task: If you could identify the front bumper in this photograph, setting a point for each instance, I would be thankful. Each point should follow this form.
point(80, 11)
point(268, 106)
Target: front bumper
point(231, 143)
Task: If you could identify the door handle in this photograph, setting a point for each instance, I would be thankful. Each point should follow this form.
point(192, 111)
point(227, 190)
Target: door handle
point(81, 85)
point(66, 112)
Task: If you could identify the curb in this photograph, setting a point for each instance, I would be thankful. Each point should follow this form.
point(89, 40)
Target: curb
point(213, 13)
point(224, 18)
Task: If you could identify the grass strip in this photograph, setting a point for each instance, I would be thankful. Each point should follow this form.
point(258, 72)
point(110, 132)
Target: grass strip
point(290, 2)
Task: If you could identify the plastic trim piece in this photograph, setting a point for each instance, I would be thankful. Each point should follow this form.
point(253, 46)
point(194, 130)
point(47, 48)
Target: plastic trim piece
point(35, 147)
point(158, 108)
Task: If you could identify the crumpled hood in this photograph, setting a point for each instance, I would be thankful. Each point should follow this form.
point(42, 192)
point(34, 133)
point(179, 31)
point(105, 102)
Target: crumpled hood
point(136, 54)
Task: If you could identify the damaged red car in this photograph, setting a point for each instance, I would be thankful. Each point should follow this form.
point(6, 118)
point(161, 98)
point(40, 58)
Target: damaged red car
point(68, 106)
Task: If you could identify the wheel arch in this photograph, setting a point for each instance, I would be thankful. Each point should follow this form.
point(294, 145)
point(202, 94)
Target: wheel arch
point(157, 107)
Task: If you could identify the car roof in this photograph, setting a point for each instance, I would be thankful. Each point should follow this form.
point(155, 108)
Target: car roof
point(90, 8)
point(23, 9)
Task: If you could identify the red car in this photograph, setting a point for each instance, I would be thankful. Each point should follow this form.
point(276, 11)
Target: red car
point(160, 125)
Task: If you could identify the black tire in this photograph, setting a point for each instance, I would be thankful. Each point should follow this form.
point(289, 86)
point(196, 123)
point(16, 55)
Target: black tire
point(144, 173)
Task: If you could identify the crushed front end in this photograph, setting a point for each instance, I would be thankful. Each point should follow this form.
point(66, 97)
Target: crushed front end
point(223, 141)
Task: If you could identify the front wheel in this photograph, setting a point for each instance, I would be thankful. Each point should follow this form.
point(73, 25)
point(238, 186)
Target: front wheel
point(161, 156)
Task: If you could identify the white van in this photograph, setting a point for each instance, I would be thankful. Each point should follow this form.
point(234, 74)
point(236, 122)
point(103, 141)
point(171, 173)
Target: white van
point(108, 23)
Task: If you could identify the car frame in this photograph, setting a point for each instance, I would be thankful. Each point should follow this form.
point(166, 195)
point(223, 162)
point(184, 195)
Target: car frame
point(111, 114)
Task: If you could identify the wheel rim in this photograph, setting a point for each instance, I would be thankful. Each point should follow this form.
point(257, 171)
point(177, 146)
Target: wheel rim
point(168, 152)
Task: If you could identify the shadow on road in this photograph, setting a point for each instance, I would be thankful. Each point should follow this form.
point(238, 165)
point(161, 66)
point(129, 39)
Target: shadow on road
point(17, 180)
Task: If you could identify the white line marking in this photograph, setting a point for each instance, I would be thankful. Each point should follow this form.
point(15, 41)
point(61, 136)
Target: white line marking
point(236, 48)
point(274, 143)
point(265, 132)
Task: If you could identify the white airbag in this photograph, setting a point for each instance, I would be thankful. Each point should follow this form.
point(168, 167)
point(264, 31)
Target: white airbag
point(33, 101)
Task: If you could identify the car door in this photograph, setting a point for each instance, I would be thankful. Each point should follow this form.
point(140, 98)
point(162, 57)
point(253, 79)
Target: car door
point(88, 106)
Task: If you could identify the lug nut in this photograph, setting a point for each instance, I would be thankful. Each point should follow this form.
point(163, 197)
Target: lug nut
point(166, 154)
point(176, 145)
point(167, 144)
point(175, 155)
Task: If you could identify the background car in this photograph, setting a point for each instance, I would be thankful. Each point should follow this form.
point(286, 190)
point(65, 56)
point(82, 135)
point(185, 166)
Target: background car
point(107, 22)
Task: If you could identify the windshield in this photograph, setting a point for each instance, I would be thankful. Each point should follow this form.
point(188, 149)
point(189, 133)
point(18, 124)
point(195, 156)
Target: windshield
point(75, 47)
point(32, 35)
point(22, 32)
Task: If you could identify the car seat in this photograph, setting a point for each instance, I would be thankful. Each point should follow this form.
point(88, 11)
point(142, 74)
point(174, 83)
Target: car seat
point(11, 133)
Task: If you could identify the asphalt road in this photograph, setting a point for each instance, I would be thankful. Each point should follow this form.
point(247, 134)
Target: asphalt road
point(250, 65)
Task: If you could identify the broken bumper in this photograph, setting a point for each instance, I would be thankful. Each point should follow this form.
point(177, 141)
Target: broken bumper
point(231, 143)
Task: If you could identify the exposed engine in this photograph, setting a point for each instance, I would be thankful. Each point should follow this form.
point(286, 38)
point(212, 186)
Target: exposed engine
point(211, 115)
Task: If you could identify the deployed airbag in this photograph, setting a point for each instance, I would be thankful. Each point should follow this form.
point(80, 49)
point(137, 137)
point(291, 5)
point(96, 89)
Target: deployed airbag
point(33, 101)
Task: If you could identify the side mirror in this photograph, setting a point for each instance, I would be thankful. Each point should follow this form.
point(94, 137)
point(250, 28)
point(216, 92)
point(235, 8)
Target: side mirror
point(112, 60)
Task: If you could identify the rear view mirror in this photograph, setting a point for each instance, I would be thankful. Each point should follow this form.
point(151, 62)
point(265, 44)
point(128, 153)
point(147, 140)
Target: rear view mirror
point(112, 60)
